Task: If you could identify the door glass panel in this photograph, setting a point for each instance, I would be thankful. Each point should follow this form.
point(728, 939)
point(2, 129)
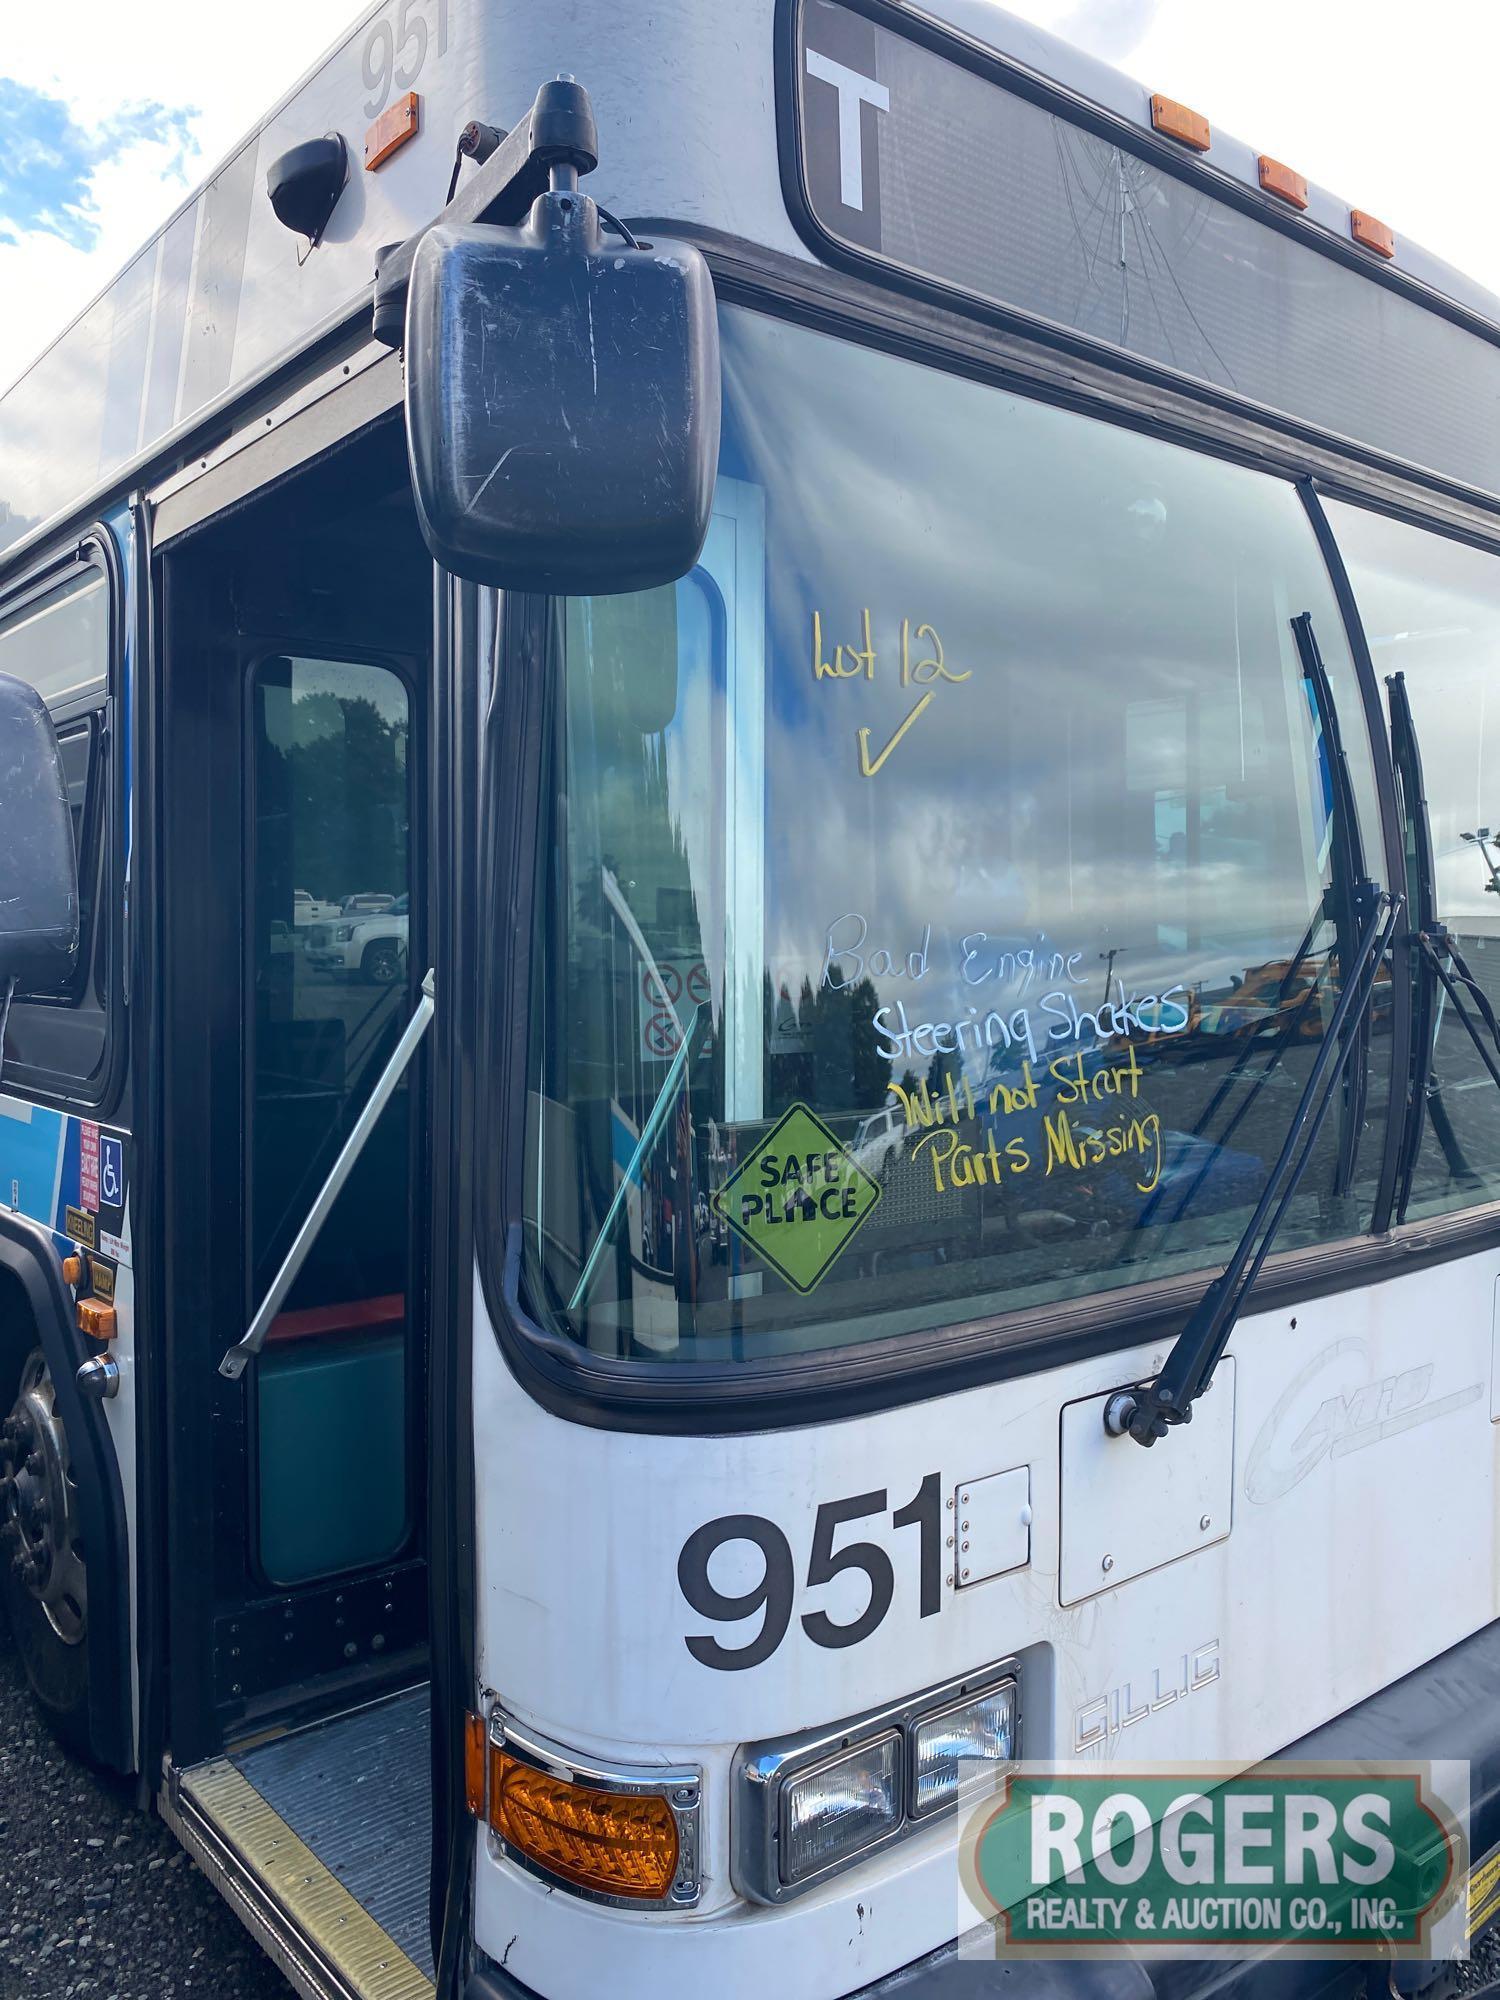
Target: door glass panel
point(329, 958)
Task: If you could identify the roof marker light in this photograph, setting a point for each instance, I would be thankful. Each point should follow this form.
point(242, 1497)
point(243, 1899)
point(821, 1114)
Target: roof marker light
point(395, 125)
point(1372, 234)
point(1282, 181)
point(1175, 121)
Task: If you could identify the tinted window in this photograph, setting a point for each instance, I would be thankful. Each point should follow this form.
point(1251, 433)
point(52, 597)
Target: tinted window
point(329, 959)
point(972, 779)
point(1431, 612)
point(59, 642)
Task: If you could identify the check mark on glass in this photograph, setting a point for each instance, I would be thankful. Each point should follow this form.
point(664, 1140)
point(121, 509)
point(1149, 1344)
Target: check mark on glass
point(867, 769)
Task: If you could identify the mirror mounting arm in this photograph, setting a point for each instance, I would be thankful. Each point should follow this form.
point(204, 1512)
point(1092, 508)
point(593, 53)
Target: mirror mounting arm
point(553, 144)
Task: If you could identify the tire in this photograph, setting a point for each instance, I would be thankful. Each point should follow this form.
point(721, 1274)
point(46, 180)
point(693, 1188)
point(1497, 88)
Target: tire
point(43, 1583)
point(383, 964)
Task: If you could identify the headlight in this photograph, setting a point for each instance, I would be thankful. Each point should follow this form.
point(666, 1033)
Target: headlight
point(343, 933)
point(809, 1805)
point(981, 1729)
point(841, 1807)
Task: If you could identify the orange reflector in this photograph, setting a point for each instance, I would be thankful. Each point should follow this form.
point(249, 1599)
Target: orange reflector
point(615, 1843)
point(96, 1319)
point(1279, 180)
point(72, 1270)
point(391, 130)
point(474, 1745)
point(1372, 234)
point(1177, 122)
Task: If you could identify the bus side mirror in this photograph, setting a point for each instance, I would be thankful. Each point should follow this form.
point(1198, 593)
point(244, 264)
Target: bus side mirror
point(38, 867)
point(562, 402)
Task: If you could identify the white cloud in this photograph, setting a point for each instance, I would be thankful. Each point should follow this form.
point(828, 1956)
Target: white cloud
point(226, 66)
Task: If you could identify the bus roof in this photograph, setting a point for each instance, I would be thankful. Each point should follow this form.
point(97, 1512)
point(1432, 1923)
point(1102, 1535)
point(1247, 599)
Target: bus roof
point(224, 295)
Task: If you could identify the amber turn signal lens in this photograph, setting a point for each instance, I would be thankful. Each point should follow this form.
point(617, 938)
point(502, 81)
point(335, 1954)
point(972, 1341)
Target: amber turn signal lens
point(615, 1843)
point(96, 1319)
point(72, 1270)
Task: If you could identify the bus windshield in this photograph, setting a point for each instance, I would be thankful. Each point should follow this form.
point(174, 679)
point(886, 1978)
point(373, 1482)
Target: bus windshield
point(933, 917)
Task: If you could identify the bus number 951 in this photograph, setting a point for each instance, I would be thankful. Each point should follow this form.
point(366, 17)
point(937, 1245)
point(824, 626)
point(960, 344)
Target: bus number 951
point(396, 48)
point(773, 1595)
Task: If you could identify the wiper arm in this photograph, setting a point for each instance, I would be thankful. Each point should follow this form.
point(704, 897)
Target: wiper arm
point(656, 1117)
point(1422, 1095)
point(1148, 1412)
point(1347, 895)
point(1349, 885)
point(1436, 944)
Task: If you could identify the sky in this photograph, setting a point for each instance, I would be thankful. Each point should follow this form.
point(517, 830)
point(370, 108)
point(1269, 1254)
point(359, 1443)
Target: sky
point(108, 127)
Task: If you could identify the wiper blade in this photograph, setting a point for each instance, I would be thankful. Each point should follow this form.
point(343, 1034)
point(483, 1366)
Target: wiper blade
point(1423, 1095)
point(1349, 882)
point(1148, 1412)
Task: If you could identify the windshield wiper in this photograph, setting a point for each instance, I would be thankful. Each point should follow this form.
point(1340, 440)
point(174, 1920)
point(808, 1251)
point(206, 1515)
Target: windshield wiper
point(1147, 1413)
point(1350, 887)
point(1431, 940)
point(1348, 897)
point(687, 1048)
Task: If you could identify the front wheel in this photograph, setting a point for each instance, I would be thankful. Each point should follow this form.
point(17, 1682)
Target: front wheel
point(42, 1578)
point(382, 964)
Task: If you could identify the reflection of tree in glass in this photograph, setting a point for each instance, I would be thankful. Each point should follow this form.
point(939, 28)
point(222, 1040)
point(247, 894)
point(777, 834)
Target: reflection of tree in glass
point(344, 783)
point(838, 1066)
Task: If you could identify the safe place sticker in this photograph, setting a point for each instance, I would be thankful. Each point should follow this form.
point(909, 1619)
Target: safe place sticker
point(798, 1199)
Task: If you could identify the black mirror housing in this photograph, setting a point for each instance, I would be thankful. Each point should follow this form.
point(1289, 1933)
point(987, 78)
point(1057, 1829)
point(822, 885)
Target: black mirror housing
point(562, 402)
point(38, 865)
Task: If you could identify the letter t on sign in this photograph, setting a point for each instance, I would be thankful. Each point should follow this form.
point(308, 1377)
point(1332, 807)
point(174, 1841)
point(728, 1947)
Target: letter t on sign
point(854, 88)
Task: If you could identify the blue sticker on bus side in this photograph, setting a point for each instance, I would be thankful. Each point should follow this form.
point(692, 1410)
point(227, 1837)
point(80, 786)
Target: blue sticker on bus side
point(68, 1173)
point(31, 1143)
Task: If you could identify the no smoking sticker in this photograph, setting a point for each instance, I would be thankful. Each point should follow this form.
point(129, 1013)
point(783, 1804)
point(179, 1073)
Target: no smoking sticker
point(798, 1199)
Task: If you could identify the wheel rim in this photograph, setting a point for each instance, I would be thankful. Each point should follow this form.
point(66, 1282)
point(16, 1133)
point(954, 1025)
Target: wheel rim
point(39, 1507)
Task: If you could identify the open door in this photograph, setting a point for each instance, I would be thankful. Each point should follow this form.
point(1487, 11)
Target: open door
point(296, 728)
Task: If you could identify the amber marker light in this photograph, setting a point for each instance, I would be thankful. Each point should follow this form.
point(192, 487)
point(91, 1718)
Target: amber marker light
point(96, 1319)
point(474, 1748)
point(623, 1837)
point(1372, 235)
point(1282, 181)
point(1176, 121)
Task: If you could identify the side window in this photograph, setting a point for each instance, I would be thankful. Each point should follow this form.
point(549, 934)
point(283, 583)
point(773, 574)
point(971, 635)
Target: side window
point(58, 639)
point(950, 925)
point(1431, 613)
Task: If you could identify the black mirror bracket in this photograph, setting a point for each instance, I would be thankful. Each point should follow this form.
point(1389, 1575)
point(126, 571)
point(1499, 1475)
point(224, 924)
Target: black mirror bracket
point(552, 146)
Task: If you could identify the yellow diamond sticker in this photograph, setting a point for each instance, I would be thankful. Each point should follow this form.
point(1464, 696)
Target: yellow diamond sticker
point(798, 1199)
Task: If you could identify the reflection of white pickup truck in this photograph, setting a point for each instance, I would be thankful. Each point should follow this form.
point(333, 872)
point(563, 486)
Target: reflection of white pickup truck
point(372, 946)
point(306, 909)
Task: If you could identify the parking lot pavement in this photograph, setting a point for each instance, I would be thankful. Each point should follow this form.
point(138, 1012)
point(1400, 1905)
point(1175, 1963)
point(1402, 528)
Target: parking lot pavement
point(97, 1900)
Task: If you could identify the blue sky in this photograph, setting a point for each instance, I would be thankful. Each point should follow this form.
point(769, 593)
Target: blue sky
point(113, 113)
point(49, 160)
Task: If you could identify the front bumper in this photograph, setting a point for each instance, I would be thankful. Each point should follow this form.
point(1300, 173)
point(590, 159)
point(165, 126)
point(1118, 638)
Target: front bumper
point(1447, 1708)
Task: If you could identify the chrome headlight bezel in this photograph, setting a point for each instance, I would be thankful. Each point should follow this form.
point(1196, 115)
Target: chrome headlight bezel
point(762, 1772)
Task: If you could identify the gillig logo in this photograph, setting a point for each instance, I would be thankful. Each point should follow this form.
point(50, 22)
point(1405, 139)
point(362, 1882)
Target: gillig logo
point(1124, 1706)
point(1315, 1418)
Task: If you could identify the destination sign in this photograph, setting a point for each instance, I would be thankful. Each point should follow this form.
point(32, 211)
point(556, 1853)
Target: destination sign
point(931, 165)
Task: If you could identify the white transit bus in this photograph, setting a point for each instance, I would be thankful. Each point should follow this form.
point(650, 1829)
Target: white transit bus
point(701, 901)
